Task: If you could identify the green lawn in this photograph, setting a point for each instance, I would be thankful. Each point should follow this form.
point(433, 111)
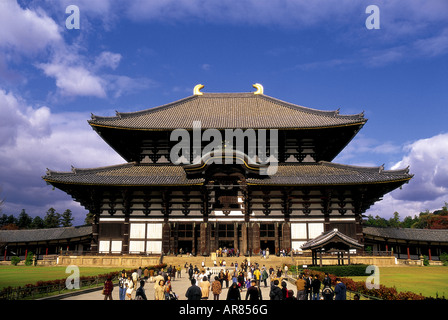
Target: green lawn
point(15, 276)
point(428, 281)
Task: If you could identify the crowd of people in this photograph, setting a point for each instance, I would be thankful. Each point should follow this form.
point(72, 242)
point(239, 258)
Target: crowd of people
point(241, 281)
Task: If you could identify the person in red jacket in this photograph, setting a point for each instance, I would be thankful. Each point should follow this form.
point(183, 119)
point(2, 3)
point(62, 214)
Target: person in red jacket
point(108, 288)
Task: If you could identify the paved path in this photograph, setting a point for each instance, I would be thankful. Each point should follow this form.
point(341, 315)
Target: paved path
point(179, 286)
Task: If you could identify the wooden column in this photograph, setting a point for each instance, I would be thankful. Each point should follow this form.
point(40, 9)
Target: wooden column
point(166, 233)
point(286, 234)
point(204, 239)
point(255, 238)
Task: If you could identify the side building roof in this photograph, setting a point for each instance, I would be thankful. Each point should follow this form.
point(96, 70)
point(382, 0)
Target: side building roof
point(49, 234)
point(409, 234)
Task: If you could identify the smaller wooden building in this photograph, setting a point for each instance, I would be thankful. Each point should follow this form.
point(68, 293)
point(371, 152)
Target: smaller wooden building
point(44, 242)
point(406, 243)
point(334, 242)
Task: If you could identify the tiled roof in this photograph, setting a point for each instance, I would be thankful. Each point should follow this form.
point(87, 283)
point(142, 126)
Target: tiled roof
point(124, 175)
point(228, 110)
point(432, 235)
point(321, 173)
point(328, 237)
point(34, 235)
point(328, 173)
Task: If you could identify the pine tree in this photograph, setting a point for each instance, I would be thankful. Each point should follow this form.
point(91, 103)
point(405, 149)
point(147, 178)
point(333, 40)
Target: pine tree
point(24, 221)
point(66, 218)
point(37, 223)
point(52, 219)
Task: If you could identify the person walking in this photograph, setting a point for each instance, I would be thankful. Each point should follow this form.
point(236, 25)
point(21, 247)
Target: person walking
point(326, 281)
point(108, 288)
point(216, 288)
point(316, 287)
point(254, 292)
point(234, 292)
point(129, 287)
point(340, 290)
point(122, 285)
point(168, 288)
point(264, 277)
point(140, 293)
point(159, 293)
point(193, 292)
point(301, 285)
point(276, 292)
point(205, 288)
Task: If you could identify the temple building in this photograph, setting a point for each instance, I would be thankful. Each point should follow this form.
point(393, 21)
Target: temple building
point(250, 198)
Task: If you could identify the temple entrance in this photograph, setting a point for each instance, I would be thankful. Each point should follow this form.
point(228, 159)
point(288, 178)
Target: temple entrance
point(226, 244)
point(264, 244)
point(185, 245)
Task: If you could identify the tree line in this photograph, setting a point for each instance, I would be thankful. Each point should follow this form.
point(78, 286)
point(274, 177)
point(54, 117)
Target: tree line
point(52, 219)
point(437, 219)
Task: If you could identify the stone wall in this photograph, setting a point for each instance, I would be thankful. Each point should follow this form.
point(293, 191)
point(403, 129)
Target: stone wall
point(108, 261)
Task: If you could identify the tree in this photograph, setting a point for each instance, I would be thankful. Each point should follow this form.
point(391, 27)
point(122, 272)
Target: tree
point(37, 223)
point(9, 221)
point(52, 219)
point(89, 218)
point(66, 218)
point(395, 221)
point(24, 221)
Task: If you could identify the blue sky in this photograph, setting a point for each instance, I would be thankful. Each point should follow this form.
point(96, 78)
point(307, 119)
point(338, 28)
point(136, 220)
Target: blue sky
point(133, 55)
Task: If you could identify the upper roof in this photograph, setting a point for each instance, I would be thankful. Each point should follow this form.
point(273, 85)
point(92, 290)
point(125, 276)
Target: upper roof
point(228, 110)
point(35, 235)
point(312, 174)
point(430, 235)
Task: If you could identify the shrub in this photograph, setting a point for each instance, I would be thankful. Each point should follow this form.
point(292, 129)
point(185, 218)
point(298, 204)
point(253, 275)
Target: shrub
point(353, 270)
point(15, 260)
point(444, 258)
point(29, 259)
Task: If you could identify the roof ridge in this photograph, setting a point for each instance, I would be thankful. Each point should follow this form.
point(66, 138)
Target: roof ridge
point(379, 169)
point(89, 170)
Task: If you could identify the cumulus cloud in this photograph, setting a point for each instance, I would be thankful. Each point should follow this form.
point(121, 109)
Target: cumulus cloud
point(428, 160)
point(428, 189)
point(35, 139)
point(17, 118)
point(26, 30)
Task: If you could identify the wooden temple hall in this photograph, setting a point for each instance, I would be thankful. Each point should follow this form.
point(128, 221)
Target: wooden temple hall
point(153, 204)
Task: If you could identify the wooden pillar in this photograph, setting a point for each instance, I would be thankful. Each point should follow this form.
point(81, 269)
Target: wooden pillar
point(126, 231)
point(255, 238)
point(286, 234)
point(95, 235)
point(204, 239)
point(166, 232)
point(429, 253)
point(407, 250)
point(244, 236)
point(320, 257)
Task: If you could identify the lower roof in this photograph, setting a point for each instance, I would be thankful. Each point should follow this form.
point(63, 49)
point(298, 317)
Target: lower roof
point(300, 174)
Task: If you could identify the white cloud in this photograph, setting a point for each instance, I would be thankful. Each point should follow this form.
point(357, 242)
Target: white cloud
point(108, 59)
point(28, 147)
point(25, 30)
point(428, 189)
point(74, 81)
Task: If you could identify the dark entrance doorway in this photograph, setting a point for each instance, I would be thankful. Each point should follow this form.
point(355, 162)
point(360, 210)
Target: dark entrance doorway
point(186, 245)
point(264, 244)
